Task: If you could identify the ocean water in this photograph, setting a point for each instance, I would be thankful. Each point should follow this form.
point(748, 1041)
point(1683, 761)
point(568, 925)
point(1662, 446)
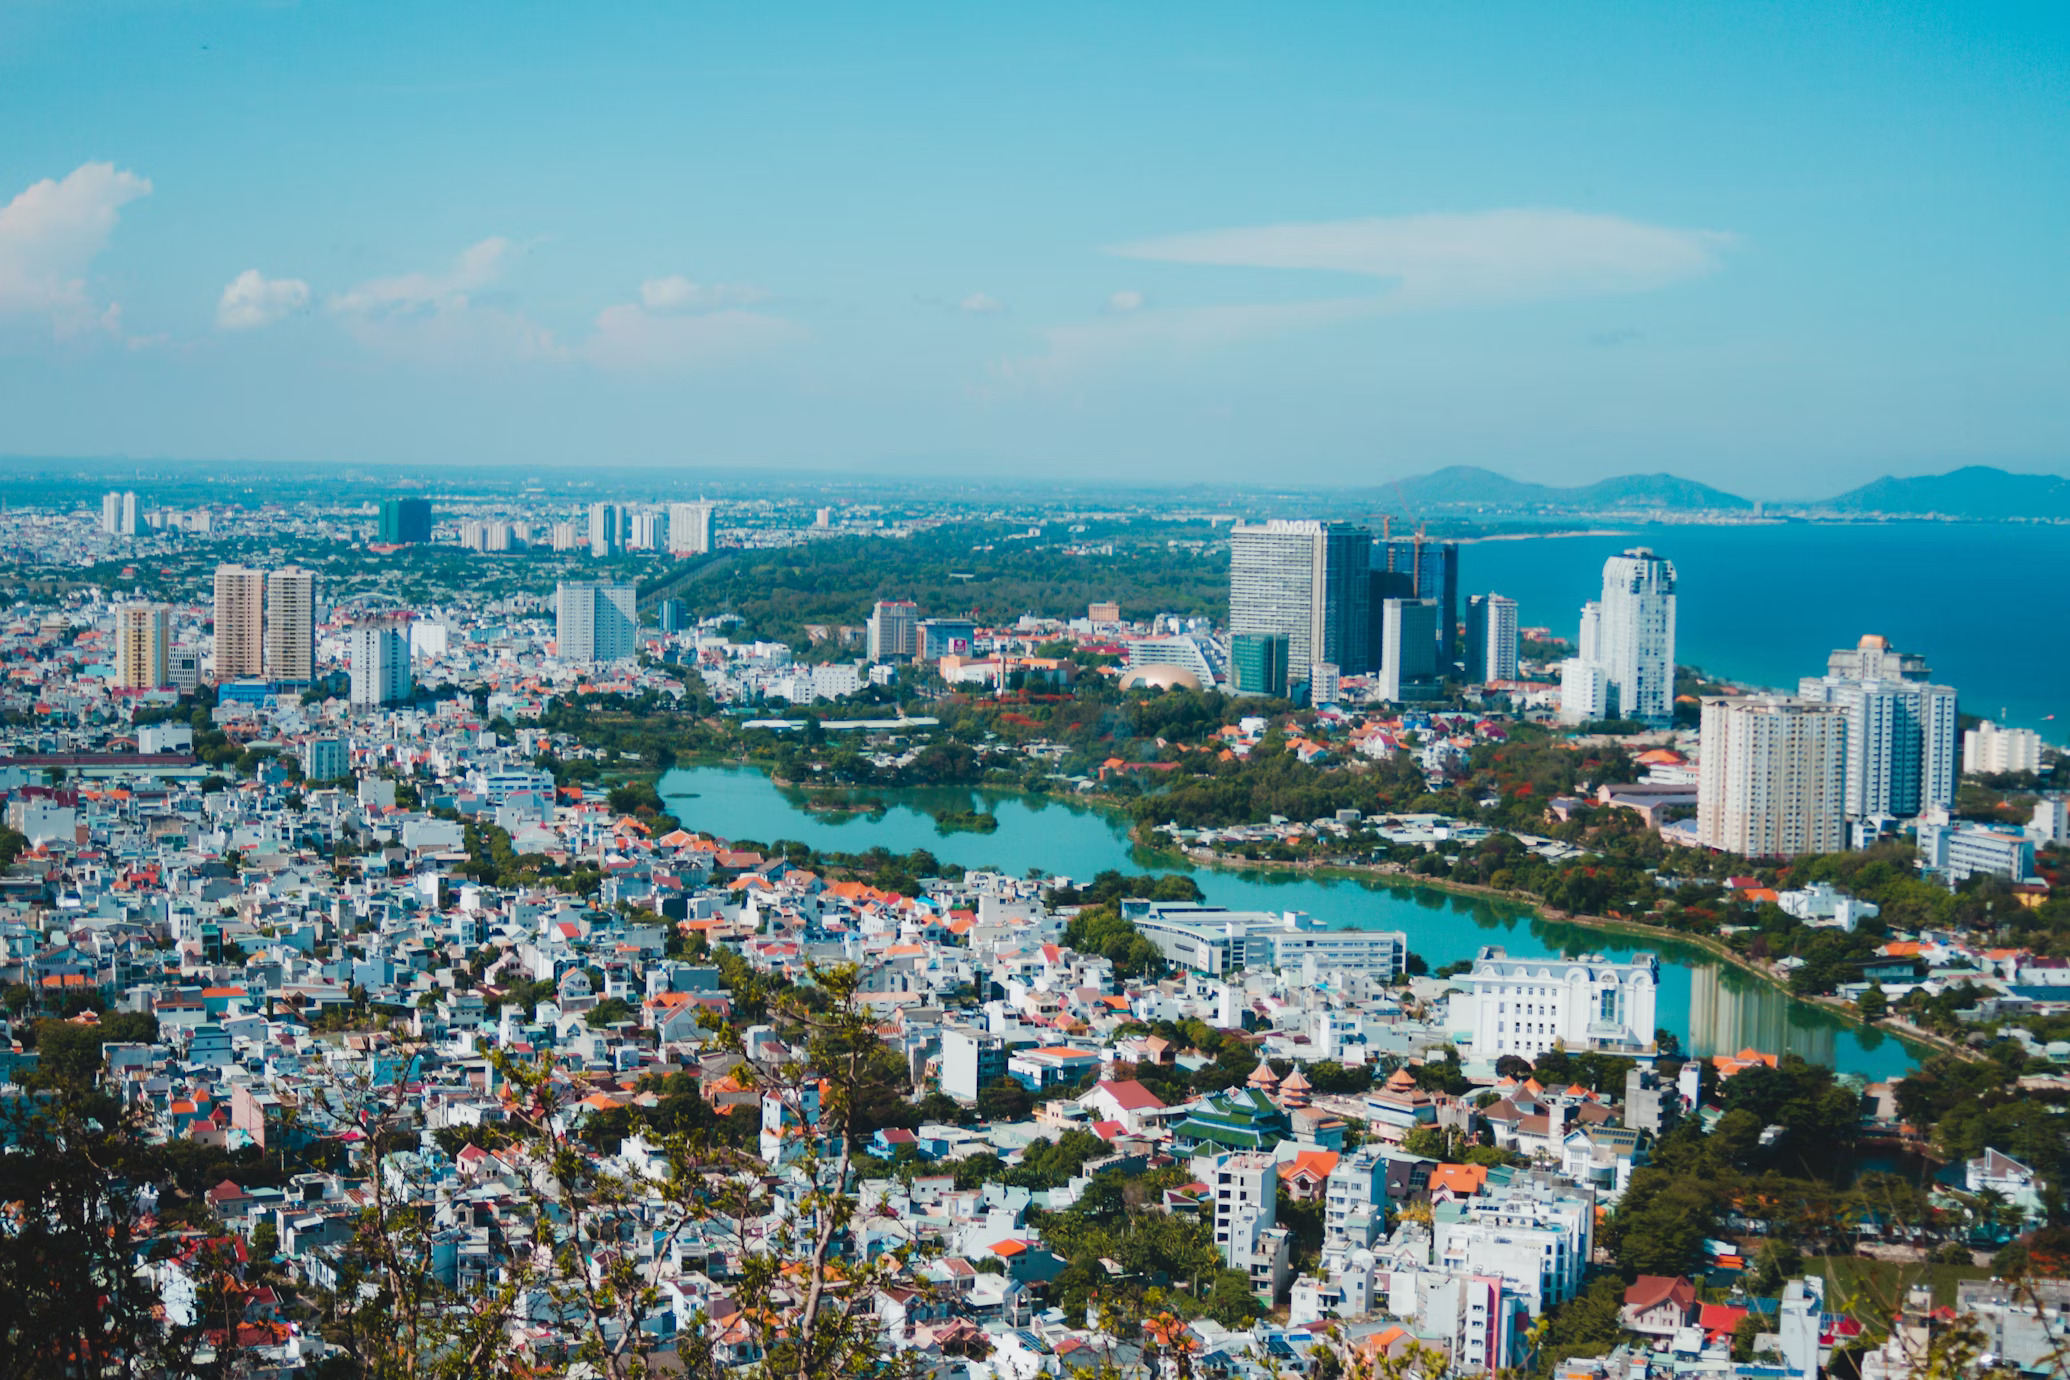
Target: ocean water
point(1985, 603)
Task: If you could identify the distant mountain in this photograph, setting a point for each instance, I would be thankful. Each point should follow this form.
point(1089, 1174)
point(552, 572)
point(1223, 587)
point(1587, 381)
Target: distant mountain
point(1975, 491)
point(1464, 486)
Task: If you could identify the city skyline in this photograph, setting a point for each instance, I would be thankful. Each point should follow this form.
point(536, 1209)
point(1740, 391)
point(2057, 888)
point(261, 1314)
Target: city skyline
point(1781, 254)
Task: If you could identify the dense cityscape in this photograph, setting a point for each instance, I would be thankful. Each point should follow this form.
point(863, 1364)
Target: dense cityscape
point(375, 969)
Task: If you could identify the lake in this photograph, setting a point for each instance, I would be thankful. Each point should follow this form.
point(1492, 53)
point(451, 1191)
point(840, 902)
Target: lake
point(1765, 604)
point(1714, 1007)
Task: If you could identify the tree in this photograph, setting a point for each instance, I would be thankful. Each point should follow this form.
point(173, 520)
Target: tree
point(1003, 1099)
point(1872, 1005)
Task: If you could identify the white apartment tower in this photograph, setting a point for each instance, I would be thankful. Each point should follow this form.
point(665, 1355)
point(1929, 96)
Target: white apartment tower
point(1773, 781)
point(1990, 748)
point(894, 630)
point(690, 528)
point(1638, 634)
point(595, 622)
point(1903, 732)
point(143, 641)
point(291, 624)
point(240, 622)
point(1499, 651)
point(379, 654)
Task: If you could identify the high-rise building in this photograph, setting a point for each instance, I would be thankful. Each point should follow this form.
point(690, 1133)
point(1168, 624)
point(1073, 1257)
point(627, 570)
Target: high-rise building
point(595, 622)
point(1584, 691)
point(291, 624)
point(1325, 683)
point(1409, 668)
point(143, 642)
point(1989, 748)
point(1903, 734)
point(378, 652)
point(1588, 644)
point(673, 614)
point(1491, 639)
point(894, 630)
point(1258, 664)
point(1308, 582)
point(240, 623)
point(119, 514)
point(647, 532)
point(183, 669)
point(405, 521)
point(690, 528)
point(608, 527)
point(940, 637)
point(1873, 658)
point(1433, 571)
point(1773, 780)
point(1638, 634)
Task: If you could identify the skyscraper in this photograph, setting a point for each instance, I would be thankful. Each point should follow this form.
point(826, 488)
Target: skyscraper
point(1491, 639)
point(1433, 571)
point(1903, 734)
point(291, 624)
point(1772, 783)
point(894, 630)
point(405, 521)
point(1258, 664)
point(111, 513)
point(240, 622)
point(378, 652)
point(595, 622)
point(143, 639)
point(1409, 667)
point(690, 528)
point(1308, 582)
point(1638, 634)
point(608, 528)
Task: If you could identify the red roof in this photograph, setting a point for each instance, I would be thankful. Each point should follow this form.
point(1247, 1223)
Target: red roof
point(1130, 1096)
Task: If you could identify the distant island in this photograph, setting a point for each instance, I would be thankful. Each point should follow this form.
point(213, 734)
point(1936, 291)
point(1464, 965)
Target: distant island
point(1974, 492)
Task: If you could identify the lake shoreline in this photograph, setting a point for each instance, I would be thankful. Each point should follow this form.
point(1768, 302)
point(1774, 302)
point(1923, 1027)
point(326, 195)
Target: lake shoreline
point(1916, 1043)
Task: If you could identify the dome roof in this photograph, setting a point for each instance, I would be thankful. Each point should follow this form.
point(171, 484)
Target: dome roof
point(1159, 675)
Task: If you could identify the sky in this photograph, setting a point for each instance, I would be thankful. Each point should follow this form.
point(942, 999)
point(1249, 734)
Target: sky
point(1781, 248)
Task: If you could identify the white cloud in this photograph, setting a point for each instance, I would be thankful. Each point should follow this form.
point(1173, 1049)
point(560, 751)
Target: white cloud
point(1479, 259)
point(1125, 301)
point(981, 304)
point(678, 324)
point(252, 300)
point(676, 293)
point(437, 318)
point(1075, 347)
point(478, 266)
point(49, 236)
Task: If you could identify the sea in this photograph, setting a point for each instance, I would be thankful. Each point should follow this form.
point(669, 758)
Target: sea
point(1763, 604)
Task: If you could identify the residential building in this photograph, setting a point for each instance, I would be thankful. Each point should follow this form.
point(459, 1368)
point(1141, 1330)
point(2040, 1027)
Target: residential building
point(690, 528)
point(1989, 749)
point(1873, 658)
point(1772, 782)
point(969, 1060)
point(1245, 1185)
point(1306, 581)
point(1325, 683)
point(1210, 939)
point(325, 759)
point(291, 624)
point(1491, 639)
point(894, 630)
point(240, 621)
point(143, 637)
point(1584, 691)
point(404, 521)
point(378, 655)
point(183, 669)
point(595, 622)
point(1528, 1006)
point(119, 514)
point(1638, 634)
point(609, 525)
point(1431, 569)
point(2024, 1322)
point(1961, 851)
point(673, 615)
point(1258, 664)
point(1410, 668)
point(1902, 735)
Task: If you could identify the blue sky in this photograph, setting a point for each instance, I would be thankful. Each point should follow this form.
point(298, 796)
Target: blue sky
point(1782, 248)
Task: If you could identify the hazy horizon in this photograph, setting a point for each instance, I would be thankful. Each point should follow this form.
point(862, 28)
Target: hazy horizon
point(1779, 252)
